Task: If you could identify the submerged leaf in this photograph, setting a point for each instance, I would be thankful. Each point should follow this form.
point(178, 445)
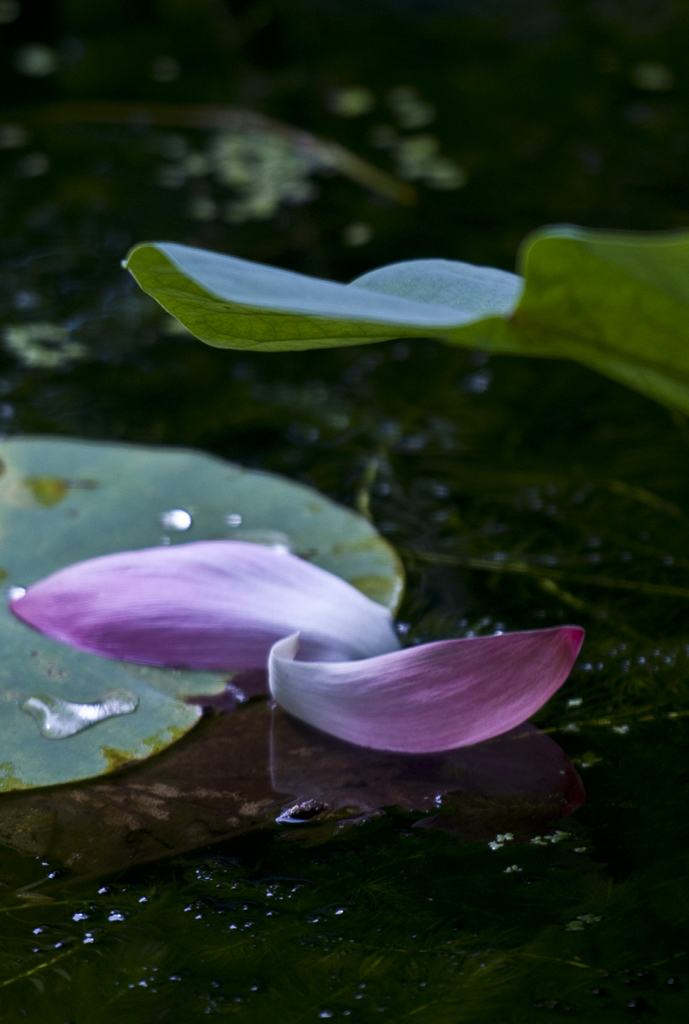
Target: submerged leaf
point(616, 302)
point(241, 772)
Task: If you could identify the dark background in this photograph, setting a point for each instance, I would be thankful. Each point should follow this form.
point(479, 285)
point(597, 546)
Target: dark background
point(542, 112)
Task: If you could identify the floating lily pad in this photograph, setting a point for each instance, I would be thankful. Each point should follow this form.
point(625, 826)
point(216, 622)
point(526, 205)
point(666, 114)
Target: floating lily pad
point(64, 501)
point(259, 768)
point(616, 302)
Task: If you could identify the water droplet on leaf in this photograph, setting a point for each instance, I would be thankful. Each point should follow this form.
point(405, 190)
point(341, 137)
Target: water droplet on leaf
point(57, 719)
point(175, 519)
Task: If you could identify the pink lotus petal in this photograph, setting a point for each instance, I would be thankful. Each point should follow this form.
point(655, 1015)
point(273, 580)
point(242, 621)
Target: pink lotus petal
point(428, 698)
point(214, 605)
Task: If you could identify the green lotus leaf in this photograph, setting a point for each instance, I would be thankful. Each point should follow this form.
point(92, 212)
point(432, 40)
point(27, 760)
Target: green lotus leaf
point(66, 715)
point(616, 302)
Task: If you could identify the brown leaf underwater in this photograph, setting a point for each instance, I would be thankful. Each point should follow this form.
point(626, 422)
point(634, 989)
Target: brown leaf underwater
point(258, 767)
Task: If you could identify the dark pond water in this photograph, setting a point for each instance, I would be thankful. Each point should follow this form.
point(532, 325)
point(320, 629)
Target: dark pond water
point(520, 493)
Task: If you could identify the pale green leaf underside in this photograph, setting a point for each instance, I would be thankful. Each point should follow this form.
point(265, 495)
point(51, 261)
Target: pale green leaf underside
point(62, 501)
point(618, 303)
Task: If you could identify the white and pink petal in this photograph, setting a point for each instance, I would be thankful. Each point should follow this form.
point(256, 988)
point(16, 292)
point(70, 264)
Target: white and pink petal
point(429, 698)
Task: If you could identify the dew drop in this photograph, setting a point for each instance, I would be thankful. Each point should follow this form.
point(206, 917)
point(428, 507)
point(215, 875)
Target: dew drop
point(275, 539)
point(14, 593)
point(234, 519)
point(175, 519)
point(57, 719)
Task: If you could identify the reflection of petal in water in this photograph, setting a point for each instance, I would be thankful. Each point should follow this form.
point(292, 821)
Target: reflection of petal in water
point(521, 772)
point(523, 763)
point(57, 719)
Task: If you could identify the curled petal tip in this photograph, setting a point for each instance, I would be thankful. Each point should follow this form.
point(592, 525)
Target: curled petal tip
point(286, 648)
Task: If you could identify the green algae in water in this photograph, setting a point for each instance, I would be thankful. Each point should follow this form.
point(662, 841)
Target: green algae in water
point(382, 917)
